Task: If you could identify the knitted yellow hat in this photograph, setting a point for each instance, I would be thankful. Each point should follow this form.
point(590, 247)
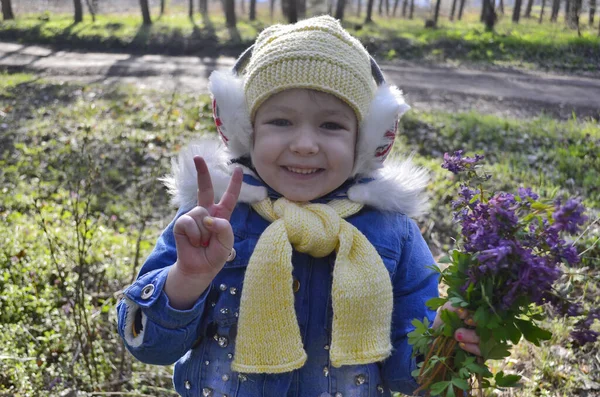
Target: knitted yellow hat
point(315, 53)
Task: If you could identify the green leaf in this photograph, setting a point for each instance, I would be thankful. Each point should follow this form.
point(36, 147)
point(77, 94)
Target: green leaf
point(493, 350)
point(532, 332)
point(435, 303)
point(439, 387)
point(481, 316)
point(506, 380)
point(450, 392)
point(460, 383)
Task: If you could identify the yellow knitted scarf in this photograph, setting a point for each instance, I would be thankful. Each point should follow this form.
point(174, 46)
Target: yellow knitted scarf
point(268, 339)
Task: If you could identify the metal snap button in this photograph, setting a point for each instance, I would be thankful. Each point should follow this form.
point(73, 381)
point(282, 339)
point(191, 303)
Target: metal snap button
point(296, 285)
point(147, 291)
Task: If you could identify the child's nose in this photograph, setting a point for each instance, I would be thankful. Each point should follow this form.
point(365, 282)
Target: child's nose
point(304, 142)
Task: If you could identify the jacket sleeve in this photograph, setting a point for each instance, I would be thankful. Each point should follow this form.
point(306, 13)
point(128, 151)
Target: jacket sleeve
point(413, 284)
point(153, 331)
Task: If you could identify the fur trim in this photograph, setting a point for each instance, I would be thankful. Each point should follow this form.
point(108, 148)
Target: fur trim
point(386, 108)
point(397, 187)
point(228, 92)
point(182, 183)
point(132, 308)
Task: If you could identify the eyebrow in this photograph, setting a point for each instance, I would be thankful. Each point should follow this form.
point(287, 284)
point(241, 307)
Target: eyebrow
point(322, 112)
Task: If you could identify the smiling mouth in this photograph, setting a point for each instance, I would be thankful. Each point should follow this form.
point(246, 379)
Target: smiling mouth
point(303, 171)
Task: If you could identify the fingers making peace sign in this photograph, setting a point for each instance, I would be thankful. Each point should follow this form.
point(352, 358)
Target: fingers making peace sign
point(203, 236)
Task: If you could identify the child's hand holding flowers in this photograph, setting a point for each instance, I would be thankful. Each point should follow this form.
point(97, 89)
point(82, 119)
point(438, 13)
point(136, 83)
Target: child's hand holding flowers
point(504, 271)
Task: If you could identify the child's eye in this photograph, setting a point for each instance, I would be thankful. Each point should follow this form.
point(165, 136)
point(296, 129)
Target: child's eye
point(331, 126)
point(280, 122)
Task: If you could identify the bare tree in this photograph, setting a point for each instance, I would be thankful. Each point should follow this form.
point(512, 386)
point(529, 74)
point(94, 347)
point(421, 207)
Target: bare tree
point(436, 14)
point(490, 17)
point(369, 16)
point(78, 11)
point(411, 12)
point(528, 8)
point(517, 11)
point(395, 7)
point(301, 4)
point(592, 12)
point(7, 12)
point(191, 9)
point(501, 5)
point(147, 20)
point(253, 10)
point(163, 6)
point(453, 10)
point(573, 15)
point(380, 8)
point(92, 9)
point(292, 11)
point(404, 6)
point(542, 11)
point(460, 9)
point(339, 9)
point(555, 10)
point(203, 8)
point(229, 9)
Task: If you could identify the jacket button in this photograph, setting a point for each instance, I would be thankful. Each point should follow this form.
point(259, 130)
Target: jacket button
point(222, 341)
point(222, 287)
point(326, 371)
point(225, 377)
point(360, 380)
point(380, 389)
point(242, 377)
point(187, 385)
point(147, 291)
point(296, 285)
point(338, 394)
point(207, 392)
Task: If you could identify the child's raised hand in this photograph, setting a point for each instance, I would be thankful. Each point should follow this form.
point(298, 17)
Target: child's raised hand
point(203, 236)
point(467, 338)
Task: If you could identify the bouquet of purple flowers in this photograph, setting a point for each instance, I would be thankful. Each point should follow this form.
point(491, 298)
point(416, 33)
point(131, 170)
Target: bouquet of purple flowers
point(504, 272)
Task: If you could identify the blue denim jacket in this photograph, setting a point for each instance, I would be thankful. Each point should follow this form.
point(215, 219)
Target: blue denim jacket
point(201, 340)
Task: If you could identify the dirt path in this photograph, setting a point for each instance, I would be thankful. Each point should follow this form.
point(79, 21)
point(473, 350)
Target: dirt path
point(514, 94)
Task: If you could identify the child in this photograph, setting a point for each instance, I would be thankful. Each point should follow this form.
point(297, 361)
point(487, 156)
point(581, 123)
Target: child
point(304, 279)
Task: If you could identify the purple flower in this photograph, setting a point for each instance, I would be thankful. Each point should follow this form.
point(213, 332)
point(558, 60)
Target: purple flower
point(583, 336)
point(569, 217)
point(525, 193)
point(457, 163)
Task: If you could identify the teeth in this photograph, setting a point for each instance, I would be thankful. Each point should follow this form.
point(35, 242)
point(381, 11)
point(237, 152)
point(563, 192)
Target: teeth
point(302, 170)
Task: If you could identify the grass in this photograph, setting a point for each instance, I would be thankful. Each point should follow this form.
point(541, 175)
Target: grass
point(81, 209)
point(547, 46)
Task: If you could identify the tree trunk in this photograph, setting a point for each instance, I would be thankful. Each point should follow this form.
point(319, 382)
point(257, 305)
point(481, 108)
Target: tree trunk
point(359, 8)
point(203, 7)
point(230, 19)
point(369, 18)
point(517, 11)
point(292, 11)
point(453, 10)
point(387, 8)
point(243, 6)
point(436, 12)
point(490, 15)
point(7, 12)
point(411, 11)
point(567, 9)
point(191, 9)
point(271, 9)
point(555, 10)
point(380, 8)
point(162, 7)
point(483, 9)
point(502, 6)
point(145, 12)
point(285, 8)
point(253, 10)
point(592, 12)
point(574, 11)
point(528, 8)
point(542, 12)
point(91, 9)
point(461, 8)
point(395, 7)
point(301, 4)
point(339, 9)
point(404, 6)
point(78, 11)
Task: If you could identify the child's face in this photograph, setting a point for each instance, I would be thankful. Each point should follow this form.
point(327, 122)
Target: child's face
point(304, 143)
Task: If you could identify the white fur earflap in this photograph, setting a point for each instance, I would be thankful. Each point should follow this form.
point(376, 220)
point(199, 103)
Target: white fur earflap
point(386, 108)
point(397, 187)
point(182, 183)
point(227, 90)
